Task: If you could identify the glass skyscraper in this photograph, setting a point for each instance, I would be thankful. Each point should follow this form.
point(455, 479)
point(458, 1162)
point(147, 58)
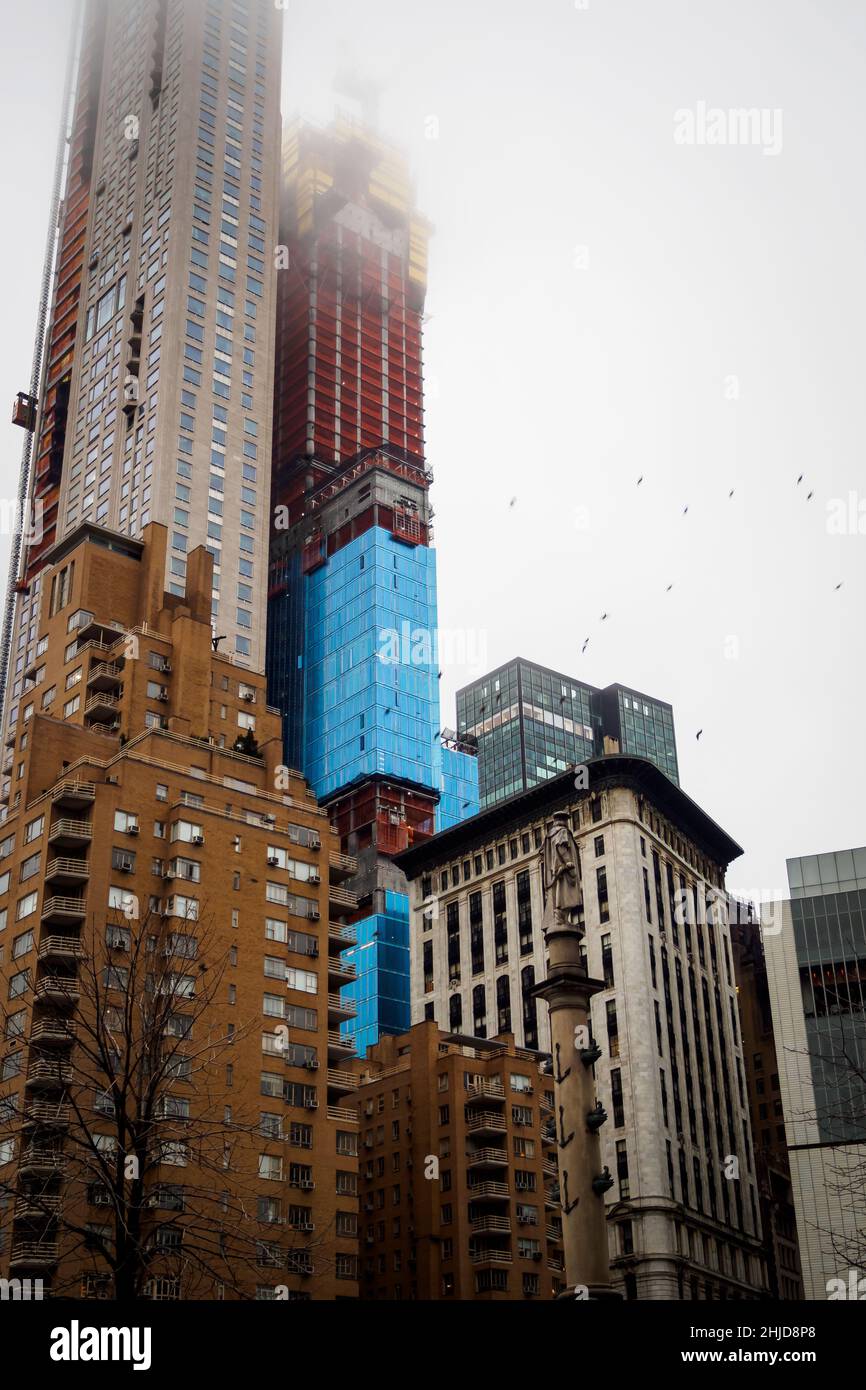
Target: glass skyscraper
point(530, 723)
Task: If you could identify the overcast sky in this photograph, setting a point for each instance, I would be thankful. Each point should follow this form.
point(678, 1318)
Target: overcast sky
point(606, 304)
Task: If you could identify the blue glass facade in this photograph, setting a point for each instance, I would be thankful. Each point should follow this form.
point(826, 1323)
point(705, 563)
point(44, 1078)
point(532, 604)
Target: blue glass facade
point(353, 663)
point(371, 691)
point(459, 788)
point(381, 991)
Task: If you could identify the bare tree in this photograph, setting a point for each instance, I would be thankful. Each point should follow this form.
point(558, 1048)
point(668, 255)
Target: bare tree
point(131, 1166)
point(836, 1062)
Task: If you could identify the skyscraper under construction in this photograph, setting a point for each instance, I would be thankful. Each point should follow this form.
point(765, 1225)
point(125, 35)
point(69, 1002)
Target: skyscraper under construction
point(352, 614)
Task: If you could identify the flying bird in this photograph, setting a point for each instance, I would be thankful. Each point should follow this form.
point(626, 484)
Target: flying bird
point(604, 617)
point(640, 480)
point(838, 587)
point(799, 480)
point(512, 502)
point(685, 510)
point(731, 493)
point(698, 734)
point(668, 589)
point(810, 496)
point(584, 647)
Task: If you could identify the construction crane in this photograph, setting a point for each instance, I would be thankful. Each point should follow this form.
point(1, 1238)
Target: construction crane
point(25, 410)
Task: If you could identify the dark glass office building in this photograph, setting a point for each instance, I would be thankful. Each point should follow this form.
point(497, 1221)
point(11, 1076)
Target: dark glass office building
point(531, 723)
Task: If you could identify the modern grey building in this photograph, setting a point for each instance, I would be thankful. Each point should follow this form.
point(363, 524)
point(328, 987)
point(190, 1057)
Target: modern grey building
point(683, 1214)
point(815, 946)
point(531, 723)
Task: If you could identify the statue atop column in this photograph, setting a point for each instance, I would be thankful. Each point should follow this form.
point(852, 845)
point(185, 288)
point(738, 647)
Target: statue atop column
point(560, 877)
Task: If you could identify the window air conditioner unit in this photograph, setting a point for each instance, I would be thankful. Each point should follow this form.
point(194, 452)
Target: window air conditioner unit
point(166, 668)
point(315, 914)
point(248, 696)
point(314, 951)
point(312, 1065)
point(273, 861)
point(307, 1184)
point(163, 696)
point(126, 868)
point(315, 877)
point(198, 839)
point(132, 830)
point(315, 843)
point(311, 1105)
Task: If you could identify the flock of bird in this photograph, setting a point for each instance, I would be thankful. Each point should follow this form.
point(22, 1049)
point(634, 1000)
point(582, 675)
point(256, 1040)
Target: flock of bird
point(604, 616)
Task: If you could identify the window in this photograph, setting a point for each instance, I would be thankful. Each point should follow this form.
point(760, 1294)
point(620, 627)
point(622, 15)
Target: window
point(601, 886)
point(19, 984)
point(22, 944)
point(33, 829)
point(270, 1168)
point(26, 905)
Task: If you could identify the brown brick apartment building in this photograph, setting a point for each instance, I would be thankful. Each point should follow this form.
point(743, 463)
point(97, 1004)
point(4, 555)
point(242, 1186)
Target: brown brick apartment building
point(158, 868)
point(458, 1175)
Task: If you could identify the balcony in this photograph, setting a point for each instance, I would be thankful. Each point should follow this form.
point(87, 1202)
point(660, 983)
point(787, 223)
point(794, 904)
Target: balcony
point(94, 647)
point(341, 866)
point(47, 1114)
point(37, 1206)
point(341, 899)
point(58, 989)
point(56, 1032)
point(39, 1162)
point(341, 973)
point(553, 1232)
point(552, 1197)
point(47, 1073)
point(33, 1254)
point(74, 795)
point(489, 1225)
point(486, 1122)
point(105, 675)
point(486, 1090)
point(341, 936)
point(70, 834)
point(94, 630)
point(491, 1256)
point(551, 1170)
point(555, 1262)
point(102, 708)
point(68, 948)
point(67, 871)
point(490, 1192)
point(339, 1046)
point(487, 1158)
point(340, 1010)
point(341, 1083)
point(342, 1115)
point(61, 909)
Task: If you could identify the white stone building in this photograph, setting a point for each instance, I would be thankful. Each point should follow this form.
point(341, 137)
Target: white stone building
point(683, 1212)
